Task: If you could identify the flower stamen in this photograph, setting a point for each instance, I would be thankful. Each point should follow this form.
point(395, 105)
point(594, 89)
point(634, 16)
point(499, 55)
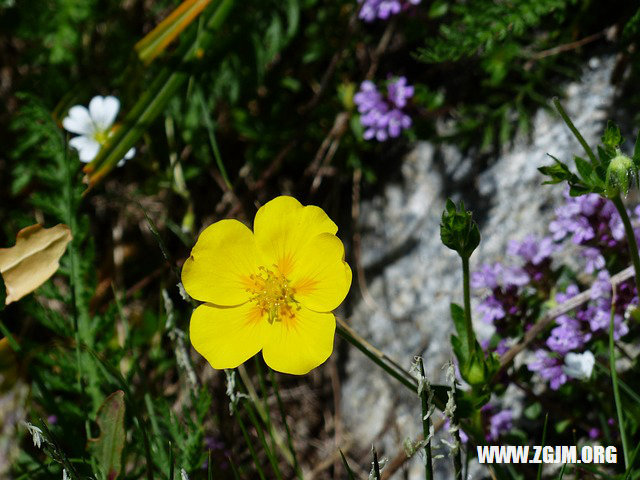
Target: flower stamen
point(273, 294)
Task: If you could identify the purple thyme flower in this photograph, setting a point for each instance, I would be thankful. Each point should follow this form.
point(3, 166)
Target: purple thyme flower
point(595, 261)
point(500, 423)
point(503, 346)
point(383, 117)
point(601, 287)
point(567, 335)
point(572, 291)
point(383, 9)
point(491, 310)
point(549, 368)
point(594, 433)
point(399, 92)
point(532, 249)
point(487, 277)
point(515, 276)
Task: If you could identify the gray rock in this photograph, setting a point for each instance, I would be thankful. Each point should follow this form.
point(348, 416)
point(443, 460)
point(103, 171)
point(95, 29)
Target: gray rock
point(414, 277)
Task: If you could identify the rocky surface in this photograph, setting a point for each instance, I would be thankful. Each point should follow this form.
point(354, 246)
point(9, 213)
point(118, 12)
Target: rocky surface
point(412, 277)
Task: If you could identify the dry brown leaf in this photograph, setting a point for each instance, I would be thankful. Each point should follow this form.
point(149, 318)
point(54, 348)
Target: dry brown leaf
point(33, 260)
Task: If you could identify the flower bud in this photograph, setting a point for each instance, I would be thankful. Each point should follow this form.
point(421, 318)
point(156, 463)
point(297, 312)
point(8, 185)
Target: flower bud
point(618, 175)
point(458, 231)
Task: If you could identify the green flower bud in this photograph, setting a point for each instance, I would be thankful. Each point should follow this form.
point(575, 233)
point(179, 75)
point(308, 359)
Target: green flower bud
point(458, 231)
point(476, 374)
point(619, 173)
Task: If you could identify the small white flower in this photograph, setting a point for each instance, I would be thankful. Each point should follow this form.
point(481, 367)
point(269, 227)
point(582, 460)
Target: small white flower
point(93, 126)
point(183, 474)
point(64, 475)
point(36, 434)
point(579, 365)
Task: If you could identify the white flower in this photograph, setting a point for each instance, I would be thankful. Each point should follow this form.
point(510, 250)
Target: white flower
point(94, 127)
point(579, 365)
point(183, 474)
point(36, 434)
point(64, 475)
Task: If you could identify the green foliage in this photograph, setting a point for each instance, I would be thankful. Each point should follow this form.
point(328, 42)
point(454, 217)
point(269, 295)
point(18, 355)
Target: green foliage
point(486, 26)
point(610, 173)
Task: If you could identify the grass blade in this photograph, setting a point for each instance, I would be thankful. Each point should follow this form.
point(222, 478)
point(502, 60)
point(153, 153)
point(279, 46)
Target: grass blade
point(347, 467)
point(155, 42)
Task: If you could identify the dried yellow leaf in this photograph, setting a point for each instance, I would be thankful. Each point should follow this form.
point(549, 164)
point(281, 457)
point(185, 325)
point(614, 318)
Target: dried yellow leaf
point(33, 260)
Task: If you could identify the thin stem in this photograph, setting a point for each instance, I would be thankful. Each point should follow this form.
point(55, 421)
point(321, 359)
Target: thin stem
point(614, 381)
point(574, 130)
point(544, 442)
point(471, 338)
point(276, 389)
point(457, 453)
point(401, 375)
point(631, 238)
point(252, 451)
point(426, 423)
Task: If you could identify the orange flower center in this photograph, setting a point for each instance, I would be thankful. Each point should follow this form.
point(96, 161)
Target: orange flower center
point(273, 295)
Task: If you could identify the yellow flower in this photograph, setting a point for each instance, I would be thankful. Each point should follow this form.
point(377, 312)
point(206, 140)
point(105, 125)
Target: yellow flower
point(272, 289)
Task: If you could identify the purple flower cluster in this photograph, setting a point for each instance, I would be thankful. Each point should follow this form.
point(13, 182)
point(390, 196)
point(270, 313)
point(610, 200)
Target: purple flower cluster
point(506, 282)
point(383, 117)
point(383, 9)
point(591, 221)
point(549, 368)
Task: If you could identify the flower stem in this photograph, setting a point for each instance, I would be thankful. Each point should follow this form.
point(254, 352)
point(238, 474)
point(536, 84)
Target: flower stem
point(426, 423)
point(377, 356)
point(614, 381)
point(631, 238)
point(457, 452)
point(574, 130)
point(471, 337)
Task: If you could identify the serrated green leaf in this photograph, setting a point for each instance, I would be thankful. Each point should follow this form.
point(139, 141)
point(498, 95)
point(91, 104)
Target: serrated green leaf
point(584, 168)
point(107, 448)
point(459, 322)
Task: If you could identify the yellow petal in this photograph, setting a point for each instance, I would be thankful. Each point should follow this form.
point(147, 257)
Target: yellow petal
point(300, 345)
point(283, 226)
point(321, 278)
point(220, 264)
point(227, 336)
point(33, 260)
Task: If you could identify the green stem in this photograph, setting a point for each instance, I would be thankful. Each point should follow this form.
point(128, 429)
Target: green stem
point(574, 130)
point(426, 423)
point(457, 453)
point(471, 337)
point(631, 238)
point(403, 377)
point(614, 380)
point(252, 450)
point(276, 389)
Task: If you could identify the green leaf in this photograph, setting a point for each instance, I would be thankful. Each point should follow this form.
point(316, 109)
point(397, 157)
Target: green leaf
point(636, 151)
point(612, 137)
point(438, 9)
point(347, 467)
point(107, 448)
point(584, 168)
